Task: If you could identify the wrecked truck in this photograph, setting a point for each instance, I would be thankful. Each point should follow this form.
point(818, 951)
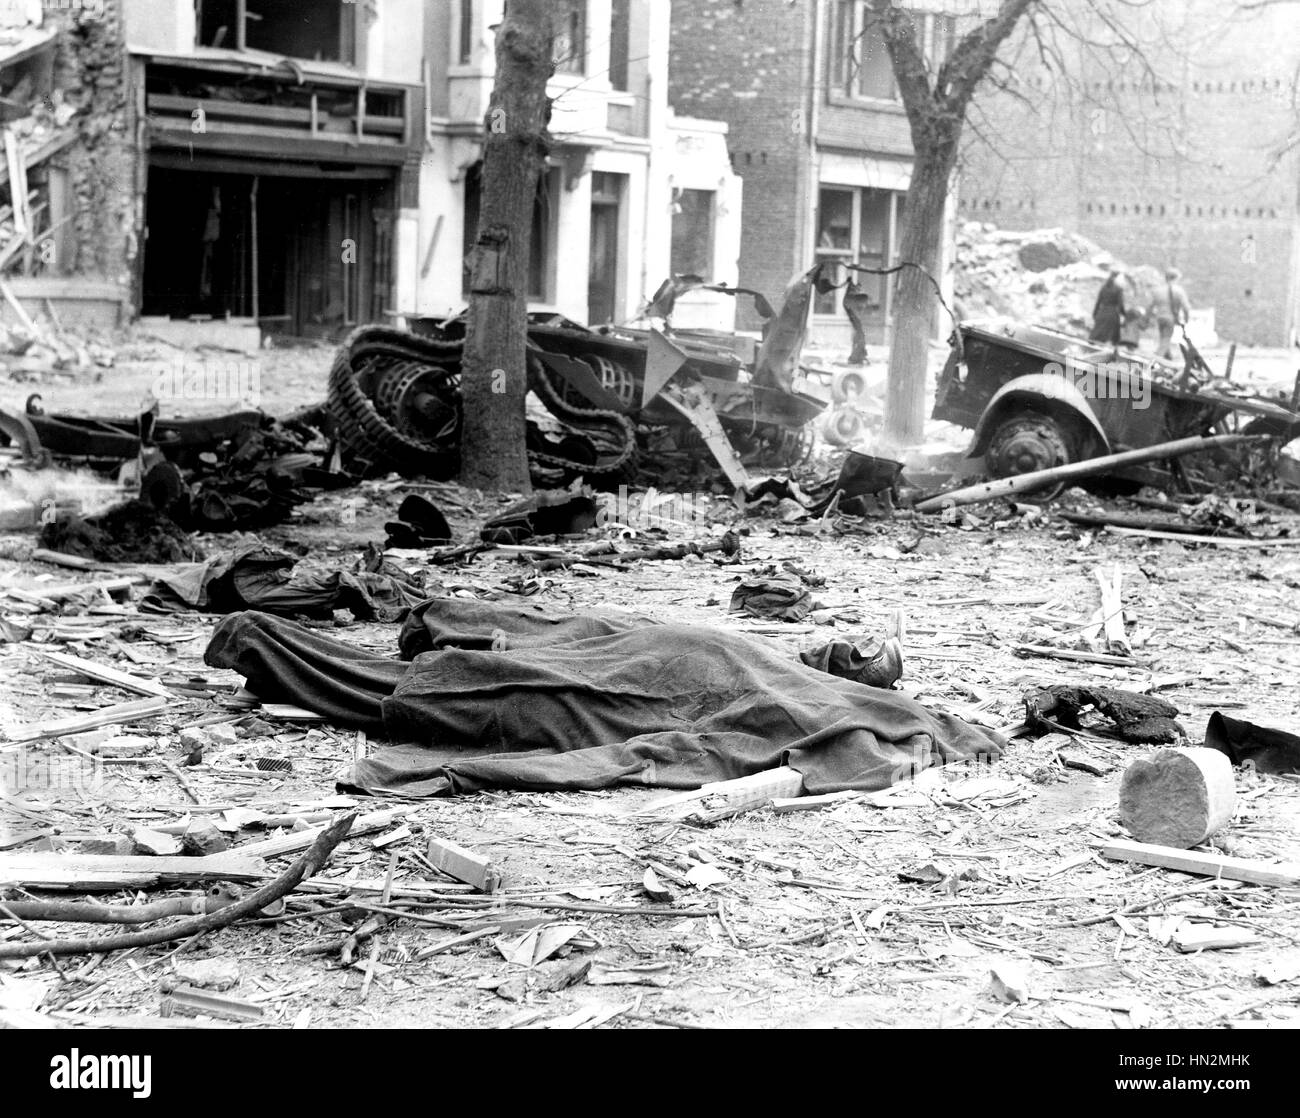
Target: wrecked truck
point(394, 396)
point(1038, 398)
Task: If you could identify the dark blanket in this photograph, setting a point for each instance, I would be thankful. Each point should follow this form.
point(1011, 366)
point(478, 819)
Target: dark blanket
point(269, 580)
point(571, 702)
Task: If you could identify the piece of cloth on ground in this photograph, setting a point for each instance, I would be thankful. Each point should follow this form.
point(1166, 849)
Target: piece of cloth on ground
point(270, 581)
point(669, 706)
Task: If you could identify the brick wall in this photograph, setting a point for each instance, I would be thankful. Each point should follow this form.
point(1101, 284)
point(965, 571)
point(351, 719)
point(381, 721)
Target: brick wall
point(747, 63)
point(1174, 169)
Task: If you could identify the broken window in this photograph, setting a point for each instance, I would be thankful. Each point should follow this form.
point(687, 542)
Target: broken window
point(571, 37)
point(860, 64)
point(858, 225)
point(692, 235)
point(321, 30)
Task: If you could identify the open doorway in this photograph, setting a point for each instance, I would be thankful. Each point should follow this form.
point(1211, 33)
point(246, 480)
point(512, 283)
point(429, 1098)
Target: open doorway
point(605, 257)
point(307, 257)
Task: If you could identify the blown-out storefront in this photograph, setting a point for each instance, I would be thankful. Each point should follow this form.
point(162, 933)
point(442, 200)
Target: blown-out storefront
point(272, 189)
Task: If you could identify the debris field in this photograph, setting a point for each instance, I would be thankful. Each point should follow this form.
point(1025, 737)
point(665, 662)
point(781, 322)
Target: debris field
point(221, 880)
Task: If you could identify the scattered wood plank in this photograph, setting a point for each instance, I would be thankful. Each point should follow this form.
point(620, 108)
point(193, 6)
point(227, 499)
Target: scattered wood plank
point(782, 805)
point(257, 901)
point(1215, 541)
point(1131, 520)
point(291, 713)
point(78, 723)
point(106, 674)
point(457, 941)
point(724, 798)
point(190, 1001)
point(1073, 654)
point(464, 865)
point(75, 562)
point(73, 589)
point(1205, 937)
point(300, 840)
point(1209, 865)
point(1112, 612)
point(92, 872)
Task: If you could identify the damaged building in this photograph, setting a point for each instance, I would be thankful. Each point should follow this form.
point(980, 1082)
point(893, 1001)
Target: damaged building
point(65, 235)
point(1188, 159)
point(632, 192)
point(278, 145)
point(305, 168)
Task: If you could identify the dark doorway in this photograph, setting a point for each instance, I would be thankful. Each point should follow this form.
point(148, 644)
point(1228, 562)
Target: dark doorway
point(602, 275)
point(306, 256)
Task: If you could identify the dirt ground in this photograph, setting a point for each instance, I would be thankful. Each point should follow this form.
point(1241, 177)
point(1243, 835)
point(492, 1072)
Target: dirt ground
point(973, 898)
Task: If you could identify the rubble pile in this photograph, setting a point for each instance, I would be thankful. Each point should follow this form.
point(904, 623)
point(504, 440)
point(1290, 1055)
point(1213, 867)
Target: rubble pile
point(1045, 276)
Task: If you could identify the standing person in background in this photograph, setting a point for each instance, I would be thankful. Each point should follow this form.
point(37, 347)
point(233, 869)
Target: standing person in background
point(1172, 309)
point(1109, 312)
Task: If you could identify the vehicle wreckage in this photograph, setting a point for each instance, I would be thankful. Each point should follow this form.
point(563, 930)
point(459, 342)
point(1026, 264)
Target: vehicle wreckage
point(1038, 399)
point(394, 397)
point(394, 405)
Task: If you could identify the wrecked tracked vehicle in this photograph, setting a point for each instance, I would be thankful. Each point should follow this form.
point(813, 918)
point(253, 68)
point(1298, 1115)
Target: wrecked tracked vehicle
point(1039, 398)
point(395, 403)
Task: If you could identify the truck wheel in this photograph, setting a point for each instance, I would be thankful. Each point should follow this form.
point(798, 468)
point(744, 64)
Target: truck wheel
point(1027, 442)
point(843, 427)
point(847, 385)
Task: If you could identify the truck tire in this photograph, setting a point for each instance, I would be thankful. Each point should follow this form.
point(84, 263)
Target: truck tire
point(847, 385)
point(844, 426)
point(1028, 441)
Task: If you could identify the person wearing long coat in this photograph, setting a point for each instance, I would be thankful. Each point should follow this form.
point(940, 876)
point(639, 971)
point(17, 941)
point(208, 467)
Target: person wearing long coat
point(1109, 313)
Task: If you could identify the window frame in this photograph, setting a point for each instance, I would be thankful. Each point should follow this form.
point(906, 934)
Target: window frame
point(463, 42)
point(576, 60)
point(853, 254)
point(350, 34)
point(940, 32)
point(710, 210)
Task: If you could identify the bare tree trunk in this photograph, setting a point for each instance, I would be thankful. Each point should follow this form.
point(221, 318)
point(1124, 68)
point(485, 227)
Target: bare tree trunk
point(936, 105)
point(494, 376)
point(914, 301)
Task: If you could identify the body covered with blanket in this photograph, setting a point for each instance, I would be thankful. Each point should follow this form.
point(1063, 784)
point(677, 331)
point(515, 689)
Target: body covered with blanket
point(489, 696)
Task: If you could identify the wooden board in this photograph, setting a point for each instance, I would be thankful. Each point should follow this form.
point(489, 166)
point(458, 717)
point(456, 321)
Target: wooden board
point(464, 865)
point(812, 803)
point(1209, 865)
point(134, 711)
point(291, 713)
point(105, 674)
point(90, 872)
point(300, 840)
point(1205, 937)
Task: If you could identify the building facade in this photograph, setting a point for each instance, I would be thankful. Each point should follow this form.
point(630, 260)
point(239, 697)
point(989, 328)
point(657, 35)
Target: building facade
point(315, 164)
point(632, 192)
point(817, 132)
point(1176, 156)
